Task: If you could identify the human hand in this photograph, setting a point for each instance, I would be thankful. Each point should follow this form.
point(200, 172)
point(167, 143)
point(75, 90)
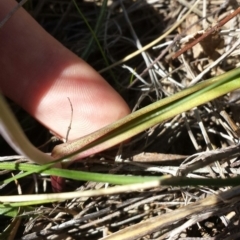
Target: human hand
point(40, 74)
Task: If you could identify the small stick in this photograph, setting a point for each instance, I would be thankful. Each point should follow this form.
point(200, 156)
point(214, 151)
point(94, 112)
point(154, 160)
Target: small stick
point(210, 31)
point(70, 124)
point(231, 123)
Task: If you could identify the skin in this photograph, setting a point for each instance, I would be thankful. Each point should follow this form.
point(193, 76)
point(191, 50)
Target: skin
point(39, 74)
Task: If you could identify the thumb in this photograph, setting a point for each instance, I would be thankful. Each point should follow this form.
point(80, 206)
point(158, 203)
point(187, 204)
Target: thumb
point(40, 75)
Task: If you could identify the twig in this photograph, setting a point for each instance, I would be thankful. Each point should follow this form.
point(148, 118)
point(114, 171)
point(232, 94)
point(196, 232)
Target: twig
point(134, 54)
point(203, 36)
point(70, 124)
point(208, 158)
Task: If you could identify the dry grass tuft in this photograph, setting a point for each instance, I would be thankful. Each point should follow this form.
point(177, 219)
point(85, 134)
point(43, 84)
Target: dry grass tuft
point(192, 144)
